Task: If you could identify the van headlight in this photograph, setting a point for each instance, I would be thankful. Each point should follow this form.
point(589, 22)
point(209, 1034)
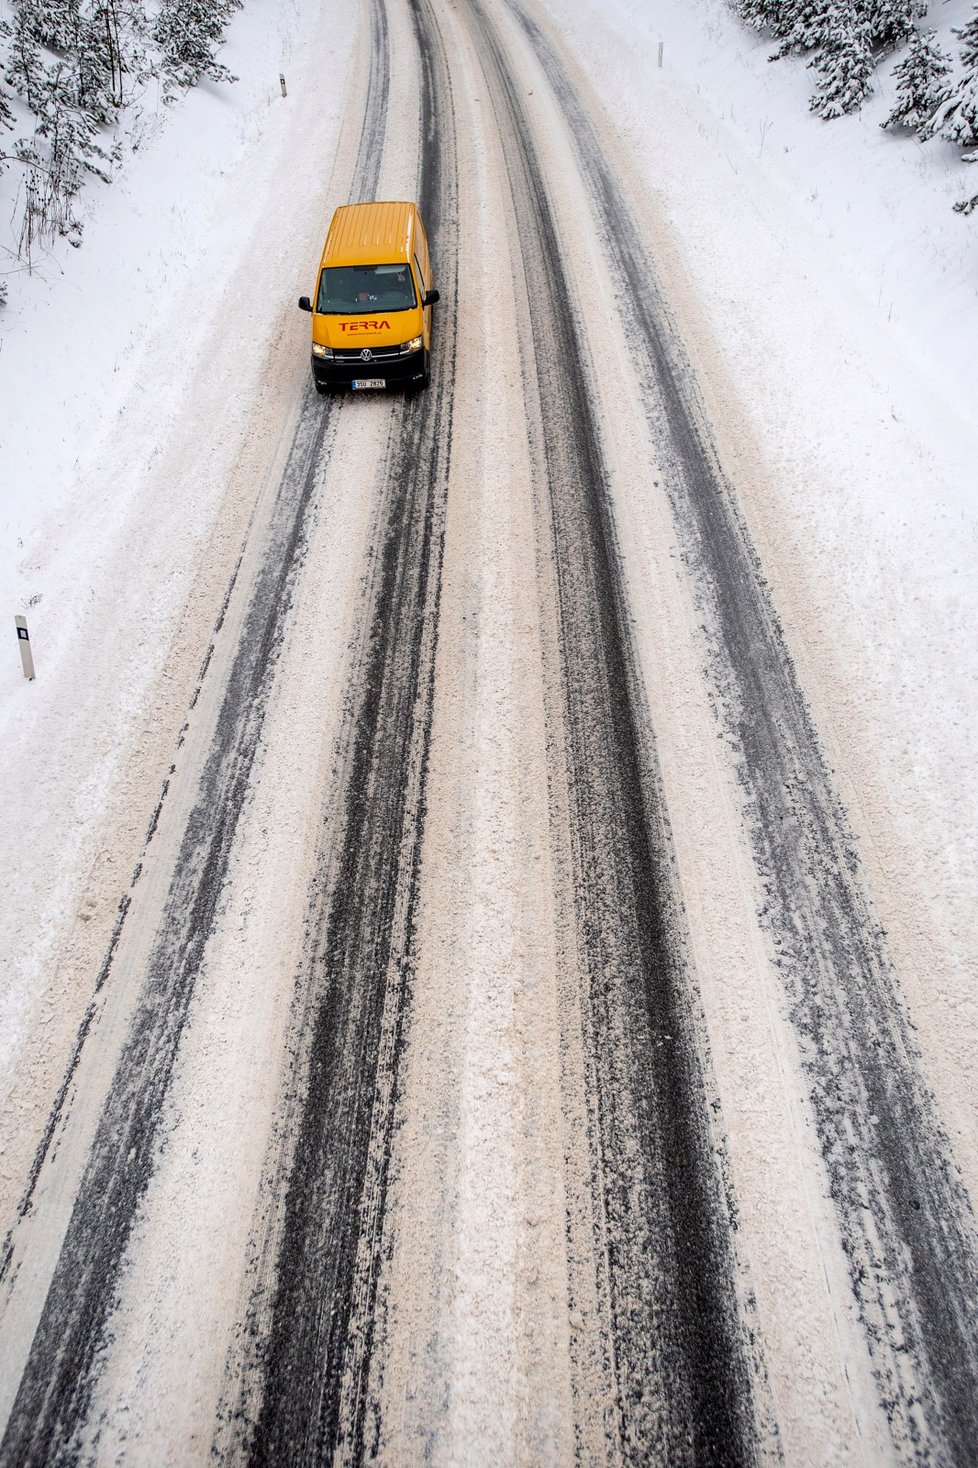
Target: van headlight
point(319, 351)
point(414, 345)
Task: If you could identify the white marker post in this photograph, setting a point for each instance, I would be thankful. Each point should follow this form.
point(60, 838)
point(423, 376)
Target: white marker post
point(662, 47)
point(281, 82)
point(26, 656)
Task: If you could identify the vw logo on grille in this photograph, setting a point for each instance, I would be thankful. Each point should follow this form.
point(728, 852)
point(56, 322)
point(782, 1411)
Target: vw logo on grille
point(366, 355)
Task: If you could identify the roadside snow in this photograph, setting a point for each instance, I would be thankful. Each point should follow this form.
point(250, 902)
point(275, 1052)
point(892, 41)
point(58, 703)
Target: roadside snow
point(879, 202)
point(75, 336)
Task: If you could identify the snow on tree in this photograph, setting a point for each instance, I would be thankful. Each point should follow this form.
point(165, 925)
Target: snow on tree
point(189, 33)
point(54, 23)
point(25, 70)
point(892, 21)
point(760, 14)
point(801, 25)
point(844, 40)
point(100, 63)
point(968, 36)
point(921, 79)
point(959, 114)
point(843, 63)
point(6, 114)
point(956, 116)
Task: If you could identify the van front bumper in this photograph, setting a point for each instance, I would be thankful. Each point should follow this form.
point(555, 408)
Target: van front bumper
point(344, 371)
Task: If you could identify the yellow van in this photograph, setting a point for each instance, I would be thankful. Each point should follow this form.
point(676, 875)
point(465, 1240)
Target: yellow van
point(371, 324)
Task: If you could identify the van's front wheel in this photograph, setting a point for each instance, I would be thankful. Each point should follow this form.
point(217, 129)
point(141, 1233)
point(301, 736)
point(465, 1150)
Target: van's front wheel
point(425, 378)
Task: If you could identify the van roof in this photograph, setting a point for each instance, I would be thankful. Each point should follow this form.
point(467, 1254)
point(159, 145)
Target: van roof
point(370, 234)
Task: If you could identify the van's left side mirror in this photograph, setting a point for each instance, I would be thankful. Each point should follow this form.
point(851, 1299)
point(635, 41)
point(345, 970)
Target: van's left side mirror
point(305, 304)
point(431, 297)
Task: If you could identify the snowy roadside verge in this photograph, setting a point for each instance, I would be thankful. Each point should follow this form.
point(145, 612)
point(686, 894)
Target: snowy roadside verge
point(144, 388)
point(881, 201)
point(76, 335)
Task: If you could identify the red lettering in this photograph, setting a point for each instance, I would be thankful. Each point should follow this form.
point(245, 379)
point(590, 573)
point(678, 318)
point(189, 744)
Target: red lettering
point(364, 325)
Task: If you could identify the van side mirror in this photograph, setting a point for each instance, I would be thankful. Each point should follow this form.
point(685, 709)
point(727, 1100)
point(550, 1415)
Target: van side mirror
point(305, 304)
point(430, 297)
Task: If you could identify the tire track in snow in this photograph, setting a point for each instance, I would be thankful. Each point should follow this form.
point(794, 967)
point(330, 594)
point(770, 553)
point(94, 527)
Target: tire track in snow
point(675, 1375)
point(907, 1227)
point(298, 1392)
point(54, 1393)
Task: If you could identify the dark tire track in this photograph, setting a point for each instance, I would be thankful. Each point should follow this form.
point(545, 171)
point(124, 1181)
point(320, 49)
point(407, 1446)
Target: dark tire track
point(907, 1226)
point(303, 1394)
point(55, 1390)
point(678, 1361)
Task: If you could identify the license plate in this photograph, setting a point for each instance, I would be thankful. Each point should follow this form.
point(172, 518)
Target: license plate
point(362, 382)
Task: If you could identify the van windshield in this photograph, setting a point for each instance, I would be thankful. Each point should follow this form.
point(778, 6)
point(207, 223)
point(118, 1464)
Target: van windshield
point(346, 290)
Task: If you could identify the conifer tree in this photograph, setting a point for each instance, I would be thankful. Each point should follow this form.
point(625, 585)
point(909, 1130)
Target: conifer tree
point(25, 69)
point(760, 14)
point(6, 114)
point(956, 117)
point(801, 25)
point(922, 85)
point(189, 33)
point(959, 115)
point(843, 63)
point(51, 23)
point(892, 21)
point(968, 36)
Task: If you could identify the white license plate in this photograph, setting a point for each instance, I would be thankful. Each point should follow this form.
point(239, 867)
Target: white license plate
point(361, 382)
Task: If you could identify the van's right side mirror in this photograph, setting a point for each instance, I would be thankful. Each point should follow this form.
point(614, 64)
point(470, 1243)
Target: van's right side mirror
point(305, 304)
point(431, 297)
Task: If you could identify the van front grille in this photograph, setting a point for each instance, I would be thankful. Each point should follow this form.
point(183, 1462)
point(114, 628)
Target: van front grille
point(389, 354)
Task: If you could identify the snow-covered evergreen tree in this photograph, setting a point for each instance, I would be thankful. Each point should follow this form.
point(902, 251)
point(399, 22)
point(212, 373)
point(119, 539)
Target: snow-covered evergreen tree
point(922, 84)
point(189, 33)
point(6, 114)
point(843, 62)
point(25, 70)
point(760, 14)
point(892, 21)
point(801, 25)
point(844, 40)
point(6, 122)
point(968, 36)
point(51, 23)
point(956, 117)
point(959, 115)
point(99, 64)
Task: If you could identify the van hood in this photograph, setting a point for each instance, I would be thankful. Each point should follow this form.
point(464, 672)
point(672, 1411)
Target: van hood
point(372, 329)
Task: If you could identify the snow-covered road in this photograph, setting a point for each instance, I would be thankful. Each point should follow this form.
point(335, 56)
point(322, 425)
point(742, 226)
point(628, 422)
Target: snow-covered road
point(475, 1036)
